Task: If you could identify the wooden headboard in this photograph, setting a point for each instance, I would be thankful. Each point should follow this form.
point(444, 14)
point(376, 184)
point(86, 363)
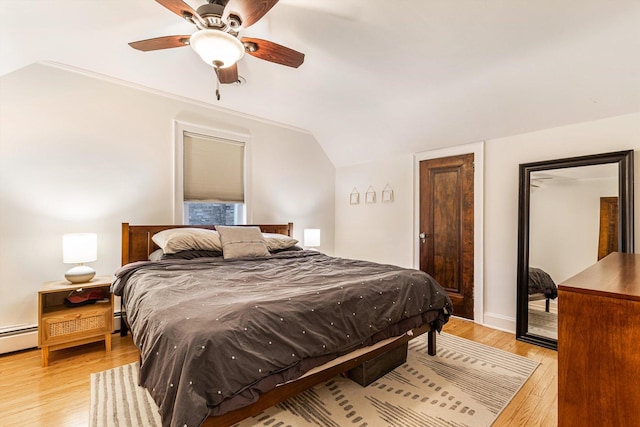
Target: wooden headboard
point(137, 243)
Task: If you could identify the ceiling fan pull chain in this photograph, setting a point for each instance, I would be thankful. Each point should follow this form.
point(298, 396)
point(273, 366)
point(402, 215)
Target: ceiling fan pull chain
point(217, 87)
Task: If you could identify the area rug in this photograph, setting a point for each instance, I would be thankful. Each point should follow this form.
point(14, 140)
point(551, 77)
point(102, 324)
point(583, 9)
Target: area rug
point(543, 323)
point(465, 384)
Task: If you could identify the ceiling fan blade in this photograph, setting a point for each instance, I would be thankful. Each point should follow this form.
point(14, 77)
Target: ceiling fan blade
point(273, 52)
point(228, 75)
point(249, 11)
point(158, 43)
point(178, 7)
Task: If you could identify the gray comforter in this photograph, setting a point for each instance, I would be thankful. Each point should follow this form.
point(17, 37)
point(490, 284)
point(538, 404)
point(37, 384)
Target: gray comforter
point(540, 282)
point(214, 333)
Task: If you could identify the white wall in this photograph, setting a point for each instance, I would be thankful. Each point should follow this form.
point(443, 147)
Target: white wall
point(564, 223)
point(502, 157)
point(78, 153)
point(380, 232)
point(355, 225)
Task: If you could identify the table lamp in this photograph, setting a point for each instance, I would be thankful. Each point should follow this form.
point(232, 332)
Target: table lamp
point(78, 248)
point(311, 237)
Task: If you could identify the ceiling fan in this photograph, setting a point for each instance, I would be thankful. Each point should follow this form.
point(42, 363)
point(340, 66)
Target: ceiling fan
point(216, 40)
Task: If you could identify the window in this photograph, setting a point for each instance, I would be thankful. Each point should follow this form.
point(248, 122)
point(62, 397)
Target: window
point(213, 213)
point(210, 178)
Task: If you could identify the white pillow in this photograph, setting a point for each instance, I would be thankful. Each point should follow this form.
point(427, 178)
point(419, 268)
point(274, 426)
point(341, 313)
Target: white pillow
point(242, 242)
point(183, 239)
point(277, 242)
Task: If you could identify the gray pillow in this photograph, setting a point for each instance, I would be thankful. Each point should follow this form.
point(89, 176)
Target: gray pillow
point(192, 254)
point(242, 242)
point(156, 255)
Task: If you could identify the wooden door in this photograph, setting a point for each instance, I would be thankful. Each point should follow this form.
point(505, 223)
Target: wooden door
point(446, 227)
point(608, 236)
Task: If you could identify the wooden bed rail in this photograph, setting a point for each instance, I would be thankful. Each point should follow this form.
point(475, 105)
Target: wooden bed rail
point(290, 389)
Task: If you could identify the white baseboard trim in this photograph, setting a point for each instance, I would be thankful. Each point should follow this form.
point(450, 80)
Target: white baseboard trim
point(18, 341)
point(500, 322)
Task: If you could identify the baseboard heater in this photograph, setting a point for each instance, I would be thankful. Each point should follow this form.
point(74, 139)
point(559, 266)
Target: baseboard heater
point(26, 337)
point(22, 330)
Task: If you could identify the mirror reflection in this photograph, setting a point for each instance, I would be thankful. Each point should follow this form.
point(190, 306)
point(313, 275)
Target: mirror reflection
point(573, 212)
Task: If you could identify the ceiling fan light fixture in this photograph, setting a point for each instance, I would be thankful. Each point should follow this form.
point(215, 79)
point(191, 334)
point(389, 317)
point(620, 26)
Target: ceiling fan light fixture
point(217, 47)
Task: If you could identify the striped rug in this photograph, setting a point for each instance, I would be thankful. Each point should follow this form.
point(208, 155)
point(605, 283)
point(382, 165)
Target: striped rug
point(465, 384)
point(543, 323)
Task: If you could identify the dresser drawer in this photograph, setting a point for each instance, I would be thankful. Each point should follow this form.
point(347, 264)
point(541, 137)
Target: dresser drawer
point(77, 323)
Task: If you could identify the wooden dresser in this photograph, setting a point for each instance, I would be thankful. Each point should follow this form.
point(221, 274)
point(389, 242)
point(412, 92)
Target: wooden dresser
point(599, 344)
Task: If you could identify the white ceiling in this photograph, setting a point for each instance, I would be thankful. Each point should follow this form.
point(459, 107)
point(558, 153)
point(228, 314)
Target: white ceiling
point(380, 77)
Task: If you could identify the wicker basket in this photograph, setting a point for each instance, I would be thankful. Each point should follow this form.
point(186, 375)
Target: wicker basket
point(76, 325)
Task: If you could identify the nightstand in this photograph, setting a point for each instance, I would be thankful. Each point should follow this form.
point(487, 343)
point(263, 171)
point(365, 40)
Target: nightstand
point(61, 327)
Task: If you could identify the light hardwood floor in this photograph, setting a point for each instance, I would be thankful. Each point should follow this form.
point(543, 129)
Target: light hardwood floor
point(58, 395)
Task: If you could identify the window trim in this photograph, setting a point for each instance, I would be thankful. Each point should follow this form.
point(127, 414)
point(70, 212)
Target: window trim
point(178, 165)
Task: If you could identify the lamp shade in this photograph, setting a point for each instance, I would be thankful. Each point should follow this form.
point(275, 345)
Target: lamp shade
point(311, 237)
point(217, 48)
point(79, 247)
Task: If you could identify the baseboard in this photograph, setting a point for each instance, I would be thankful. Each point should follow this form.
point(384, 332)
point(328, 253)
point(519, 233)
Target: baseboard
point(494, 321)
point(27, 337)
point(19, 340)
point(500, 322)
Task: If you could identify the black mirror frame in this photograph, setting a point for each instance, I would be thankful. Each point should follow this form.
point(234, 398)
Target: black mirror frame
point(624, 159)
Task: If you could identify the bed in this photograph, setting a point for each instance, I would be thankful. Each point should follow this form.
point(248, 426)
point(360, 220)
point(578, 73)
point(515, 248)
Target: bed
point(223, 339)
point(541, 286)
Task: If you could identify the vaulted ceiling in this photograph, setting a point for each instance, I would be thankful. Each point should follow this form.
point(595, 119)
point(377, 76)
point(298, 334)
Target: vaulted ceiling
point(379, 77)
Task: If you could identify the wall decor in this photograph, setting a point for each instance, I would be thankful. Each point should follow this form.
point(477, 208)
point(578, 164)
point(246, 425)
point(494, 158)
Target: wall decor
point(370, 195)
point(387, 194)
point(354, 197)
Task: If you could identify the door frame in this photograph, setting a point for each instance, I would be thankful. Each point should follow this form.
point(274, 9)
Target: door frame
point(477, 149)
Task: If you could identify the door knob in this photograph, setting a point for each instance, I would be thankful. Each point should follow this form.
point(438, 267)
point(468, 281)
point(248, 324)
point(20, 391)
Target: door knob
point(423, 236)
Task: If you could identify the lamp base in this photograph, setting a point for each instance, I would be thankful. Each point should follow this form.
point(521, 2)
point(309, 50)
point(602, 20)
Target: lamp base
point(80, 274)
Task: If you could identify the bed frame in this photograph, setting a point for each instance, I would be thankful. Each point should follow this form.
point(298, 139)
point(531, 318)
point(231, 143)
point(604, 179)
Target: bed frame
point(538, 297)
point(137, 245)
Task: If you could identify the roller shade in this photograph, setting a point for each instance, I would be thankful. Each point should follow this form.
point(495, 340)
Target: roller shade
point(213, 169)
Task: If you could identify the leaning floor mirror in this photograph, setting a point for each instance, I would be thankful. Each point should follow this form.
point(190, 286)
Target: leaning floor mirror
point(572, 213)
